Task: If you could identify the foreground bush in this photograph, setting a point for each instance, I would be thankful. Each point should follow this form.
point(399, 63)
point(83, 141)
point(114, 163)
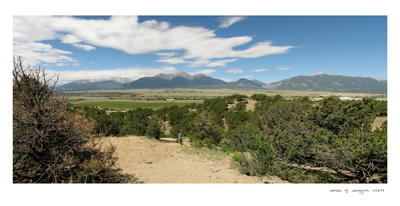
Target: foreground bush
point(257, 153)
point(205, 130)
point(51, 144)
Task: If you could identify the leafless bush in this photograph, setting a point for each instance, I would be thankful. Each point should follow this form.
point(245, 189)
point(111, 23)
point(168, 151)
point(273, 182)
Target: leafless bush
point(51, 144)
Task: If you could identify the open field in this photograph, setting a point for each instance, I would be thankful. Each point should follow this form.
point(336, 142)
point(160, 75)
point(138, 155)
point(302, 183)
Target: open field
point(130, 105)
point(155, 161)
point(191, 92)
point(154, 98)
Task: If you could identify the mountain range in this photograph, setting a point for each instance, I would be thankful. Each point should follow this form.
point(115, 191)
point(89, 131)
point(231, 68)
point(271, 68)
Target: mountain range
point(176, 80)
point(328, 82)
point(95, 84)
point(316, 82)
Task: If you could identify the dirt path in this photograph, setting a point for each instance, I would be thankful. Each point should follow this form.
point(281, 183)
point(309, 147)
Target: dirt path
point(155, 161)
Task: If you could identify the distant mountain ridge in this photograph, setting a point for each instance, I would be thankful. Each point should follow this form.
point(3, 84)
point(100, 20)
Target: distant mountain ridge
point(174, 80)
point(329, 82)
point(381, 79)
point(95, 84)
point(178, 74)
point(316, 82)
point(248, 82)
point(258, 82)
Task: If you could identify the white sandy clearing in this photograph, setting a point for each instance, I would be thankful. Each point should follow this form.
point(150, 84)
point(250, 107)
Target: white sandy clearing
point(154, 161)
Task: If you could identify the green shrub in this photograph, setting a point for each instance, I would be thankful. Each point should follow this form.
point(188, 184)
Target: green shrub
point(216, 105)
point(161, 114)
point(257, 153)
point(154, 128)
point(237, 158)
point(240, 107)
point(176, 114)
point(272, 115)
point(233, 119)
point(204, 129)
point(381, 108)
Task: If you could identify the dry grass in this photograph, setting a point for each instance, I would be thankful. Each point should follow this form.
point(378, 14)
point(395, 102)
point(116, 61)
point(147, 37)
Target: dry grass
point(378, 122)
point(250, 105)
point(167, 127)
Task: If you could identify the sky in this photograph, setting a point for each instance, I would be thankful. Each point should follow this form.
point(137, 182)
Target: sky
point(266, 48)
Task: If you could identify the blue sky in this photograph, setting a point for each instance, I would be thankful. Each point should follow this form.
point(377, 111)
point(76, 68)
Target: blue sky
point(266, 48)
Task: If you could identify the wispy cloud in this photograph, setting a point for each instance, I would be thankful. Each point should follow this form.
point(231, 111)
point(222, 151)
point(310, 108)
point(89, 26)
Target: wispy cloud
point(228, 21)
point(85, 47)
point(166, 54)
point(259, 70)
point(284, 68)
point(36, 53)
point(235, 71)
point(127, 34)
point(221, 63)
point(176, 60)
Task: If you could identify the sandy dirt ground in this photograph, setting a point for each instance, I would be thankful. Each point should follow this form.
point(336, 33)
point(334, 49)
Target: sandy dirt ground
point(154, 161)
point(249, 106)
point(378, 122)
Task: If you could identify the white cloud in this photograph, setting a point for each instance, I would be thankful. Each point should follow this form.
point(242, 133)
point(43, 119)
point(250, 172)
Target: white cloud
point(205, 71)
point(259, 70)
point(33, 53)
point(166, 54)
point(70, 39)
point(85, 47)
point(199, 62)
point(235, 71)
point(125, 33)
point(133, 73)
point(176, 60)
point(221, 63)
point(227, 21)
point(33, 28)
point(247, 76)
point(284, 68)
